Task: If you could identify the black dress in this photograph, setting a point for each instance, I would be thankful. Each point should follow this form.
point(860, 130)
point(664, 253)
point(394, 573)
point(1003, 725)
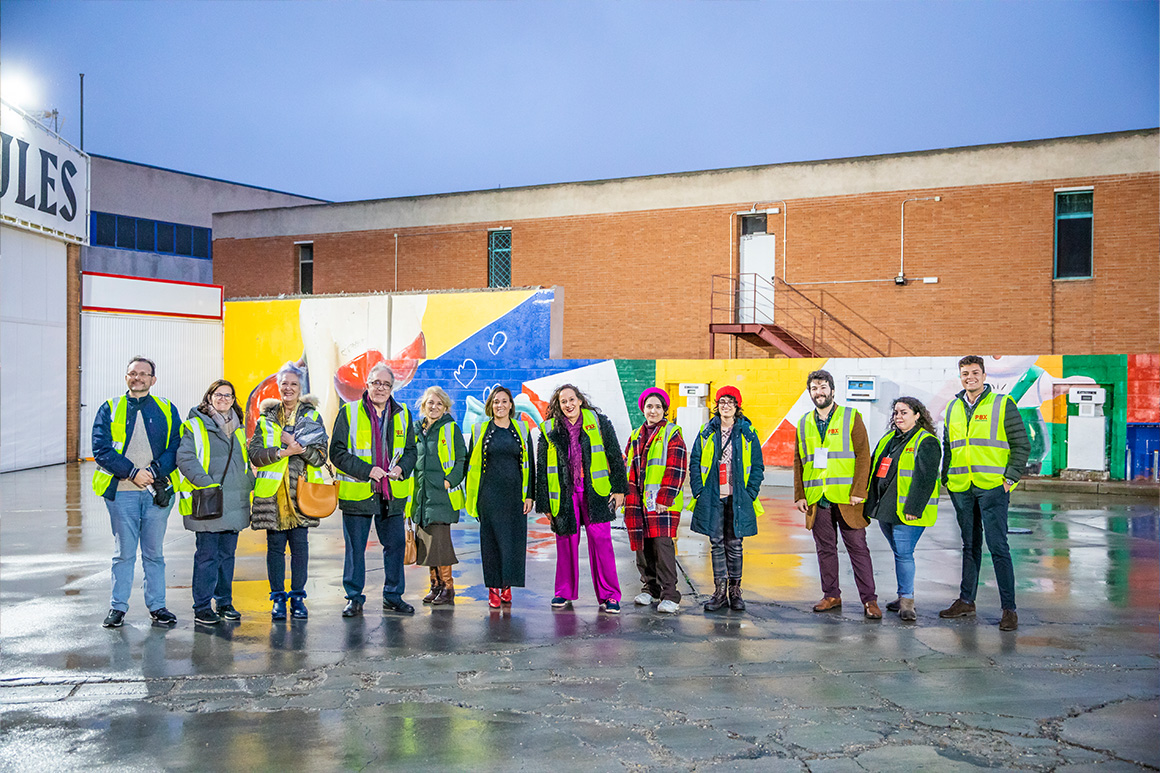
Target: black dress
point(503, 527)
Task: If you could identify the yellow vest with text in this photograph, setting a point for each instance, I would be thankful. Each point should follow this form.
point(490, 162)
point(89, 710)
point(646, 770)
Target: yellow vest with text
point(118, 411)
point(447, 461)
point(184, 486)
point(979, 449)
point(475, 465)
point(906, 476)
point(706, 463)
point(269, 477)
point(358, 442)
point(598, 472)
point(835, 480)
point(654, 464)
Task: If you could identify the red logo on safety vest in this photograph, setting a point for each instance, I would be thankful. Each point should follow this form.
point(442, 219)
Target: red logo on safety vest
point(835, 431)
point(589, 426)
point(980, 417)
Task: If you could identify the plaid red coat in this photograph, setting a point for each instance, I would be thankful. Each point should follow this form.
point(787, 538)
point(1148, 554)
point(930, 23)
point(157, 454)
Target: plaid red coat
point(642, 524)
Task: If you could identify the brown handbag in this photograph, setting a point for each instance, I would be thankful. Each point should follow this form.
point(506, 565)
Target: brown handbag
point(410, 554)
point(316, 500)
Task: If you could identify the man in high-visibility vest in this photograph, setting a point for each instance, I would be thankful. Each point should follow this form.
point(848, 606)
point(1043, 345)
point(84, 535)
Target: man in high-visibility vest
point(135, 439)
point(831, 472)
point(373, 448)
point(985, 450)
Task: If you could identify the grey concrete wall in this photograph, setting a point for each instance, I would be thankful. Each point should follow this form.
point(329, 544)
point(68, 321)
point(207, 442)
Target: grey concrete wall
point(151, 265)
point(126, 188)
point(1070, 157)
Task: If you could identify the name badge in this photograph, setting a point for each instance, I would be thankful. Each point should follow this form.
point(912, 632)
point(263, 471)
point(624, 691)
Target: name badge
point(883, 467)
point(821, 457)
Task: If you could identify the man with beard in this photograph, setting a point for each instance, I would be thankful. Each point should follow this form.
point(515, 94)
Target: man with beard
point(831, 468)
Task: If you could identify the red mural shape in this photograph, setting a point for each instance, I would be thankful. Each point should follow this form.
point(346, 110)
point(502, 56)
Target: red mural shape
point(350, 379)
point(777, 450)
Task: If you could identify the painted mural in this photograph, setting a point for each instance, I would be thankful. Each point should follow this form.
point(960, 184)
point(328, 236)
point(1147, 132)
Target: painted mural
point(467, 343)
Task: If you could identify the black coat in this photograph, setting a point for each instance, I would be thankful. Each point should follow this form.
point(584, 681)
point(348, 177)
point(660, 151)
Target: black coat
point(599, 508)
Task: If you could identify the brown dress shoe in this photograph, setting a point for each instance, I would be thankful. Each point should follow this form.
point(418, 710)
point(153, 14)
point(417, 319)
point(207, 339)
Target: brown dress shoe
point(828, 603)
point(1009, 621)
point(872, 611)
point(958, 609)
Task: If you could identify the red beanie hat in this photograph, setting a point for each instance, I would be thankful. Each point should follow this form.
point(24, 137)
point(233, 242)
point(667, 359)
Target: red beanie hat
point(729, 391)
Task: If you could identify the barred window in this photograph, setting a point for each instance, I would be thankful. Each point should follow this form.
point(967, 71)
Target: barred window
point(1073, 234)
point(499, 259)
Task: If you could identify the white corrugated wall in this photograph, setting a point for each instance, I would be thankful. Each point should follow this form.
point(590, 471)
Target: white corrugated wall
point(188, 354)
point(33, 350)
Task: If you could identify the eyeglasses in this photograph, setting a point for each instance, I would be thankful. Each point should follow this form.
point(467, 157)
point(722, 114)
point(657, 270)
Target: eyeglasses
point(726, 401)
point(138, 374)
point(217, 396)
point(380, 384)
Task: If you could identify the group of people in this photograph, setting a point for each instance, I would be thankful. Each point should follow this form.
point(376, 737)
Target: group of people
point(391, 468)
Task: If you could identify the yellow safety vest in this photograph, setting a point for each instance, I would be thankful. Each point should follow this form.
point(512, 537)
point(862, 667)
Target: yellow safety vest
point(185, 486)
point(118, 411)
point(837, 478)
point(269, 477)
point(447, 461)
point(654, 466)
point(906, 476)
point(706, 463)
point(475, 465)
point(979, 449)
point(358, 442)
point(598, 472)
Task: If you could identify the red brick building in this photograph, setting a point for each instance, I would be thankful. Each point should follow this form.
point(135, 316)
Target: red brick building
point(1048, 246)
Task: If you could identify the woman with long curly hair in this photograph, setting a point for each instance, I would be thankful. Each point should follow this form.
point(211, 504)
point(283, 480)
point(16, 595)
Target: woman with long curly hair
point(580, 481)
point(903, 490)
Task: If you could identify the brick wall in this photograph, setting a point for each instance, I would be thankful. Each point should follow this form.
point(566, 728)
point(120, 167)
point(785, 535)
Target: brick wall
point(638, 283)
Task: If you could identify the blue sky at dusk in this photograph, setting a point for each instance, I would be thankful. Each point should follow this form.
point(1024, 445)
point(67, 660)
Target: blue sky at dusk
point(381, 99)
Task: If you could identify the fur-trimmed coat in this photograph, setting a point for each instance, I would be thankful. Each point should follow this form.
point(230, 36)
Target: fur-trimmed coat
point(599, 508)
point(264, 510)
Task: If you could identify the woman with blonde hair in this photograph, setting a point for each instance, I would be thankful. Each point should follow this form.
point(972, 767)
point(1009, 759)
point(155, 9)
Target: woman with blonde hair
point(438, 498)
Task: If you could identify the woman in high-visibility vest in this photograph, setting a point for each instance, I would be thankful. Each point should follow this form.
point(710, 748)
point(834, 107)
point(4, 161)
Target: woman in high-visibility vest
point(657, 461)
point(439, 472)
point(501, 489)
point(213, 453)
point(580, 481)
point(903, 491)
point(726, 483)
point(278, 460)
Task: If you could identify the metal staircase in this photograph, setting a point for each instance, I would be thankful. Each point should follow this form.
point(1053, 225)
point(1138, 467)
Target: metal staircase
point(778, 317)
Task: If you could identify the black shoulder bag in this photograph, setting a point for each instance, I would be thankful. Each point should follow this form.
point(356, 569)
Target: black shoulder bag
point(207, 502)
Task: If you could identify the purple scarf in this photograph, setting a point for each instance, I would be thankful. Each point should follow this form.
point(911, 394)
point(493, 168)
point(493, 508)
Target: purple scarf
point(380, 450)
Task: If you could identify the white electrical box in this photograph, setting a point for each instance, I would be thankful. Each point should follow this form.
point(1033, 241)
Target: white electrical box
point(694, 390)
point(1089, 400)
point(861, 387)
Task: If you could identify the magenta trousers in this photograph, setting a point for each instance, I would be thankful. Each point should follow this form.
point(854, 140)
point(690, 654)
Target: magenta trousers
point(601, 560)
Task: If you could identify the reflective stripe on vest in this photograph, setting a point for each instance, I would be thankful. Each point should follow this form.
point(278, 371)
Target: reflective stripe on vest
point(906, 476)
point(269, 477)
point(475, 464)
point(598, 468)
point(118, 411)
point(447, 461)
point(708, 463)
point(654, 470)
point(185, 486)
point(979, 449)
point(837, 479)
point(358, 442)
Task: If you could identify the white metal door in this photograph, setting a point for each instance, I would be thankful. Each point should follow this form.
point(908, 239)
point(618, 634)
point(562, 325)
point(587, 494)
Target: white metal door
point(758, 258)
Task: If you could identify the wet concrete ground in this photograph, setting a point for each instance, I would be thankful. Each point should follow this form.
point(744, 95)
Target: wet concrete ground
point(776, 688)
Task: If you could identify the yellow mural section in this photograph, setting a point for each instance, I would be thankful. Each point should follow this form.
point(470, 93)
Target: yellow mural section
point(769, 388)
point(259, 338)
point(1053, 410)
point(450, 320)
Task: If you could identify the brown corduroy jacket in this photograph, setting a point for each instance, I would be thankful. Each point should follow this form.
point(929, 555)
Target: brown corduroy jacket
point(860, 442)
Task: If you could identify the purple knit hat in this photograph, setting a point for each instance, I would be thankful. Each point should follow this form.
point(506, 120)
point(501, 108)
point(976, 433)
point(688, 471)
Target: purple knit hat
point(646, 394)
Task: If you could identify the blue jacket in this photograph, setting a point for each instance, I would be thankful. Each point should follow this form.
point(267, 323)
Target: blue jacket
point(164, 446)
point(708, 509)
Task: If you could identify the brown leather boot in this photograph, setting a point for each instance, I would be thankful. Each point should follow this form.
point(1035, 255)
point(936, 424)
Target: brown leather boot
point(720, 597)
point(736, 602)
point(447, 588)
point(436, 586)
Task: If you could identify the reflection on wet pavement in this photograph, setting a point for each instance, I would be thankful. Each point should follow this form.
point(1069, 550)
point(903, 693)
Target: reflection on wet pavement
point(467, 687)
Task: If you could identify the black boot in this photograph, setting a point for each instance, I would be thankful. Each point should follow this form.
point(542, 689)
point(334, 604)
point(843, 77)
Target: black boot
point(719, 598)
point(736, 603)
point(278, 612)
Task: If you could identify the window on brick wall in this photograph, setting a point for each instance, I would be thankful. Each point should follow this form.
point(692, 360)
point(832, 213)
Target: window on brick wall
point(499, 258)
point(1073, 234)
point(306, 269)
point(752, 224)
point(144, 235)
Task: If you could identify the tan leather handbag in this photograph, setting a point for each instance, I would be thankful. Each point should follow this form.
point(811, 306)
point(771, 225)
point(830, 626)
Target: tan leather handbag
point(316, 500)
point(410, 553)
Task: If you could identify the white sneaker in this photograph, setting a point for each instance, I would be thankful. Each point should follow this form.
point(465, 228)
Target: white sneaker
point(643, 600)
point(669, 607)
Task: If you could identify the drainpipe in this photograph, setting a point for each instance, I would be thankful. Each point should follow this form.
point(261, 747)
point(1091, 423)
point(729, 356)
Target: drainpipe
point(901, 278)
point(396, 263)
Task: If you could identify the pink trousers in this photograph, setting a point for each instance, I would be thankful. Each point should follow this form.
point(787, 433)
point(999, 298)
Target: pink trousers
point(601, 562)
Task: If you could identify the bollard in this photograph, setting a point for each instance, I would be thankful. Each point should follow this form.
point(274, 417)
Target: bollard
point(1156, 466)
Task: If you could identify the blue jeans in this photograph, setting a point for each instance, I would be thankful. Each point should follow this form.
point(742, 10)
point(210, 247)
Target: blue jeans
point(983, 513)
point(213, 568)
point(136, 520)
point(356, 529)
point(902, 538)
point(276, 542)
